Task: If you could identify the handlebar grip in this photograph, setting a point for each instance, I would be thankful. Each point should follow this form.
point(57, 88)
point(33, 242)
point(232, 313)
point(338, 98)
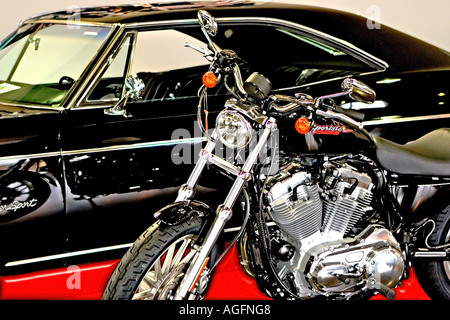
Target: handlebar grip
point(358, 116)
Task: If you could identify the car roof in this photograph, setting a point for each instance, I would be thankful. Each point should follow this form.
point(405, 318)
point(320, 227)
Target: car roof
point(402, 52)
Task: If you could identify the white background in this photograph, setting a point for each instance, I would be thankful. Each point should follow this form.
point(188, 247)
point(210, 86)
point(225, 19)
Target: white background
point(428, 20)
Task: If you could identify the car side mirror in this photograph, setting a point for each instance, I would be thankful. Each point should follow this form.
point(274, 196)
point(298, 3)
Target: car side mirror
point(358, 90)
point(133, 90)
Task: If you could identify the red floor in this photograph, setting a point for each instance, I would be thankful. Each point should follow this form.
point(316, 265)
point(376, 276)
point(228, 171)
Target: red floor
point(87, 282)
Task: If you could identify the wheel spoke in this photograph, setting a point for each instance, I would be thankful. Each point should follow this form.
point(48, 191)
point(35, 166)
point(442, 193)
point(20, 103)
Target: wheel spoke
point(157, 268)
point(168, 260)
point(181, 251)
point(143, 295)
point(188, 257)
point(150, 279)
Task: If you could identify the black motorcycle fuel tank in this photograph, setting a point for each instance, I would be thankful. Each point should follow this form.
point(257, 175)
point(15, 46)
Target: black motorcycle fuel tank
point(323, 136)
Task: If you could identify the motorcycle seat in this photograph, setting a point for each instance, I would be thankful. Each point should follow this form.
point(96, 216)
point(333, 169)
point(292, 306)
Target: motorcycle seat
point(427, 156)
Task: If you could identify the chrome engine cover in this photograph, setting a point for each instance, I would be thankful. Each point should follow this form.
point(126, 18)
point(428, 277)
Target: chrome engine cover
point(348, 267)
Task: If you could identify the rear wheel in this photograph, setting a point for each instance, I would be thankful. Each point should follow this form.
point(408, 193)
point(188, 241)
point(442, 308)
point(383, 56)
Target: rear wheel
point(153, 267)
point(434, 276)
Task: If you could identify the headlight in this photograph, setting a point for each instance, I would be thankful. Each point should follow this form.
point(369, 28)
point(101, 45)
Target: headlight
point(233, 129)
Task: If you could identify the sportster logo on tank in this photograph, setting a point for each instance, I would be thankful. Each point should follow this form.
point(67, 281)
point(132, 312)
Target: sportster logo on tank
point(330, 129)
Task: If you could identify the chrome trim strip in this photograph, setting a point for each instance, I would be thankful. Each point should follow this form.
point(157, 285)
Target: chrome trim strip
point(105, 149)
point(66, 255)
point(31, 156)
point(406, 119)
point(74, 22)
point(134, 146)
point(166, 23)
point(80, 253)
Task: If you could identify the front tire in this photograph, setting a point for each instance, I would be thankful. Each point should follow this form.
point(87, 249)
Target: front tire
point(154, 266)
point(434, 276)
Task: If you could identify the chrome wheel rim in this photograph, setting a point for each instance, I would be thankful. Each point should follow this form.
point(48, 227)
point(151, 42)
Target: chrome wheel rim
point(163, 277)
point(447, 263)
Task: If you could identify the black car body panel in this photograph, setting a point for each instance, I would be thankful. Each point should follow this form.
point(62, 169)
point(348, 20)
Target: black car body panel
point(79, 184)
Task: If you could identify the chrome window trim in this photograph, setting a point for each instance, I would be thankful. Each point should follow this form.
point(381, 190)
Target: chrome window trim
point(84, 100)
point(94, 71)
point(67, 22)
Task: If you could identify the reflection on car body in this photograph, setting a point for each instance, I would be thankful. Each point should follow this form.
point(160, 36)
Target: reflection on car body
point(76, 177)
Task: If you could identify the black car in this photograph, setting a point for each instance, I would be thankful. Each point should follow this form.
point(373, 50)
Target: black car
point(83, 166)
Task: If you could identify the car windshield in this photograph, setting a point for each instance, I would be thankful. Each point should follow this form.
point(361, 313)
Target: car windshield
point(40, 63)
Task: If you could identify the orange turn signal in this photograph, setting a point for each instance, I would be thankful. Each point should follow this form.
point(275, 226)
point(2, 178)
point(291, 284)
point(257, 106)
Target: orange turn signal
point(302, 125)
point(209, 80)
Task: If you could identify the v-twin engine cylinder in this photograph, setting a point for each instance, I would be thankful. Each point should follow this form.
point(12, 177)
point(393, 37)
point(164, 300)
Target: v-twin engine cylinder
point(300, 207)
point(295, 204)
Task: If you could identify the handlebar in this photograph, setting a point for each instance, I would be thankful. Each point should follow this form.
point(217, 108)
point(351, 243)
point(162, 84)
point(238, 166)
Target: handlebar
point(358, 116)
point(350, 117)
point(238, 79)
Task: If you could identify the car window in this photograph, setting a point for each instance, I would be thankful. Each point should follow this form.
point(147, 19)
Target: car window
point(169, 69)
point(288, 58)
point(40, 64)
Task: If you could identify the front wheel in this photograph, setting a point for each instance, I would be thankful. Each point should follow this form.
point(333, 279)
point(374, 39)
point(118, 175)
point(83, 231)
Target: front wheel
point(434, 276)
point(153, 267)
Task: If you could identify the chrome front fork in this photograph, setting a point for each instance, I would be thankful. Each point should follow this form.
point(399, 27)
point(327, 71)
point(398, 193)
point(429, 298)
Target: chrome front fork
point(223, 212)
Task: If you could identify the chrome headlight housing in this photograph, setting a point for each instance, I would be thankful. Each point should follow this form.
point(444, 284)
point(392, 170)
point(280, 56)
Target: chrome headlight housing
point(233, 129)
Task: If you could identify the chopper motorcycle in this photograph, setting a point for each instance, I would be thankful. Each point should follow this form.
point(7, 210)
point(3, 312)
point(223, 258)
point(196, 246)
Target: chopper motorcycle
point(342, 215)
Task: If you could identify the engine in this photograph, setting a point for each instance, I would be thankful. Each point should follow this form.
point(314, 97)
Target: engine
point(319, 215)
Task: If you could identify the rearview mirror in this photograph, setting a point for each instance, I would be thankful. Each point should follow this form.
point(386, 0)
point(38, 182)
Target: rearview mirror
point(207, 22)
point(358, 90)
point(133, 89)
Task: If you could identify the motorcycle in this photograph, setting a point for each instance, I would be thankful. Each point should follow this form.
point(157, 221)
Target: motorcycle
point(329, 211)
